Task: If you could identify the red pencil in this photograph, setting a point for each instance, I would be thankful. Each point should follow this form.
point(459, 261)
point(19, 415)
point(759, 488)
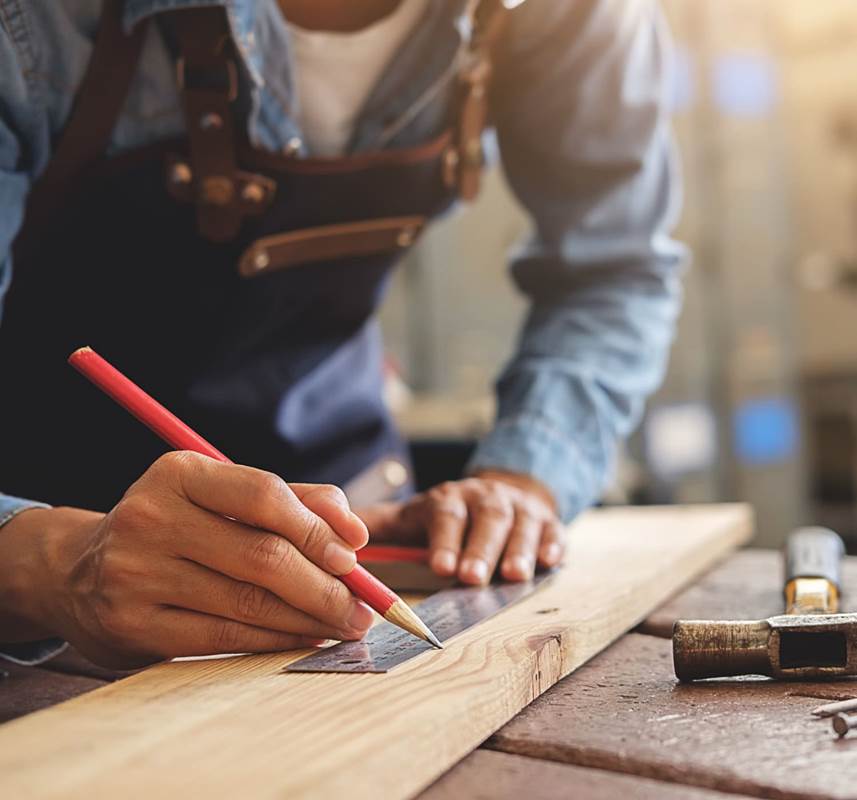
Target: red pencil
point(175, 433)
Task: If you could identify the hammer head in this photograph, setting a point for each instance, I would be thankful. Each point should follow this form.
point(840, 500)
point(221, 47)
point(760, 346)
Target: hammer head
point(788, 647)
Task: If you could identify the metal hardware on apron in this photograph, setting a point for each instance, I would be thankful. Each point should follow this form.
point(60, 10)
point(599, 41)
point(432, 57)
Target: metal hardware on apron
point(246, 307)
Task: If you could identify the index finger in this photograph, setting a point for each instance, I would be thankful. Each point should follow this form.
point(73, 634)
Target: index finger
point(262, 500)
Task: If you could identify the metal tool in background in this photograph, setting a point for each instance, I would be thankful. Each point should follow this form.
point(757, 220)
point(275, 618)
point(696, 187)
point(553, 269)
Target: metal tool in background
point(843, 713)
point(447, 613)
point(809, 641)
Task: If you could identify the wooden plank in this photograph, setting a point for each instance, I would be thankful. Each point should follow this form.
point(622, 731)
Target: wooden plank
point(625, 712)
point(24, 690)
point(746, 585)
point(241, 727)
point(487, 775)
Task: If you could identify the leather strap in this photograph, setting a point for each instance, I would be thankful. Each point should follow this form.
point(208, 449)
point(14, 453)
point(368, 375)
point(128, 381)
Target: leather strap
point(329, 242)
point(96, 108)
point(207, 73)
point(464, 164)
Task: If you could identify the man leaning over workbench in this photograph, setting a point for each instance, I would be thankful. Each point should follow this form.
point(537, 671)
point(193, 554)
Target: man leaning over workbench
point(214, 200)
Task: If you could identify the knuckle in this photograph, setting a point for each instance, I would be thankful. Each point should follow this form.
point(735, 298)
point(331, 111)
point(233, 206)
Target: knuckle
point(264, 489)
point(330, 599)
point(269, 553)
point(444, 490)
point(315, 531)
point(334, 493)
point(175, 462)
point(225, 637)
point(253, 603)
point(450, 509)
point(495, 506)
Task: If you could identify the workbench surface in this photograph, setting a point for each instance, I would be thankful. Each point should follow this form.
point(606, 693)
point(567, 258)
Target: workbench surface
point(621, 726)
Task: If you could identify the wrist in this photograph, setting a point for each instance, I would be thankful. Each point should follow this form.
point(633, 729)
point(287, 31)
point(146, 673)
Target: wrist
point(38, 549)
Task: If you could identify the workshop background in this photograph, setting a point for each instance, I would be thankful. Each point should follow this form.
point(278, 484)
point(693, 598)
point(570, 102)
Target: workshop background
point(760, 403)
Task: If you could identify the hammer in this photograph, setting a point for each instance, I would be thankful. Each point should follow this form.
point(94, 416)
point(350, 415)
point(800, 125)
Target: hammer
point(809, 641)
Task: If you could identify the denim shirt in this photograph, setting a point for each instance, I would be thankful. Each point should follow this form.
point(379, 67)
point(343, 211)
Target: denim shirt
point(581, 122)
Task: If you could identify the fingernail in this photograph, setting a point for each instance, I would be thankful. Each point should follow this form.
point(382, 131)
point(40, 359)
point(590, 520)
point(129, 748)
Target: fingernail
point(552, 553)
point(362, 538)
point(314, 642)
point(518, 567)
point(360, 618)
point(443, 561)
point(475, 569)
point(338, 558)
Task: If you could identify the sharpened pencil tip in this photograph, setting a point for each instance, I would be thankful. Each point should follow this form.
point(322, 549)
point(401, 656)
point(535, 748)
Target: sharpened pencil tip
point(432, 639)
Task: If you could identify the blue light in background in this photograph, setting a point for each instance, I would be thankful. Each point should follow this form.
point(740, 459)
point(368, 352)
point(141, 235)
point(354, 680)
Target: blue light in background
point(766, 431)
point(745, 84)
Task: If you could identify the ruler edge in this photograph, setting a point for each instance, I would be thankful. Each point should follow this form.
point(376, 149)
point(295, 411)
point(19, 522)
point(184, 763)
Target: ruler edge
point(542, 579)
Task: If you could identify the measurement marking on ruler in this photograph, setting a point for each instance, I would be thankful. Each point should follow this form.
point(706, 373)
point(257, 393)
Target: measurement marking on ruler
point(447, 613)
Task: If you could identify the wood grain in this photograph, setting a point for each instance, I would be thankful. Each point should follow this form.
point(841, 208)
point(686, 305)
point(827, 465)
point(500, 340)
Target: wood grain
point(625, 712)
point(487, 775)
point(241, 727)
point(747, 585)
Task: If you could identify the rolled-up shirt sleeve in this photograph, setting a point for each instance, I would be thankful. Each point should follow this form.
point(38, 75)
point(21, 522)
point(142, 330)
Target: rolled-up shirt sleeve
point(23, 151)
point(580, 103)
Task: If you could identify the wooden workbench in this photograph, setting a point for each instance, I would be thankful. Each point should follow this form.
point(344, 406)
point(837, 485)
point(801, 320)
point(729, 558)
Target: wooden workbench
point(621, 727)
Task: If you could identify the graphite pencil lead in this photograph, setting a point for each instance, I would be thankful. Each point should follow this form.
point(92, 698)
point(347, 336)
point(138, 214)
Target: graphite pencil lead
point(401, 614)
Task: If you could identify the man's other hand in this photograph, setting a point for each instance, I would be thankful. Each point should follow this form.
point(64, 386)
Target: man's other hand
point(472, 525)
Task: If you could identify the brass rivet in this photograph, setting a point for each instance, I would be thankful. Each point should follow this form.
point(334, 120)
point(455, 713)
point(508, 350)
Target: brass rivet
point(211, 121)
point(180, 173)
point(406, 236)
point(261, 260)
point(217, 190)
point(292, 146)
point(473, 152)
point(253, 193)
point(395, 474)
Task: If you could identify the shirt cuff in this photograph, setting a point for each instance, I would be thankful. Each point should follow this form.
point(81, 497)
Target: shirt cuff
point(31, 654)
point(10, 507)
point(530, 445)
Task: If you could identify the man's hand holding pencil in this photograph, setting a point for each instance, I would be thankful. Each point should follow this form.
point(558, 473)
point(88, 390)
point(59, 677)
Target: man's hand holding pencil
point(198, 557)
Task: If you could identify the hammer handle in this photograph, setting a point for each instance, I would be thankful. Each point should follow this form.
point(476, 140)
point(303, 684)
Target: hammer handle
point(814, 553)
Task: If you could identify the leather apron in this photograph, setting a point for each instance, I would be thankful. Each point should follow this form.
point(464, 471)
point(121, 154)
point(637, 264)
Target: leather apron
point(236, 286)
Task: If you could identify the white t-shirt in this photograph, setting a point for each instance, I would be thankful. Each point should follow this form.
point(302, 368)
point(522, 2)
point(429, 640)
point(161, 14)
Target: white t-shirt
point(335, 73)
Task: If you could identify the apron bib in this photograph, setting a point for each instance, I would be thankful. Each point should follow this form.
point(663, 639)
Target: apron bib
point(237, 287)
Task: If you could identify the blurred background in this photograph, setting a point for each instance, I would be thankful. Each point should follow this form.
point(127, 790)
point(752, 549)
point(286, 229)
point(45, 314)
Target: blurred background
point(760, 403)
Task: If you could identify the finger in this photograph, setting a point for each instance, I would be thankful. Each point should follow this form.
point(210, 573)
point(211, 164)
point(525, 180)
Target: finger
point(552, 547)
point(491, 519)
point(188, 633)
point(331, 504)
point(272, 562)
point(519, 560)
point(185, 584)
point(445, 516)
point(262, 500)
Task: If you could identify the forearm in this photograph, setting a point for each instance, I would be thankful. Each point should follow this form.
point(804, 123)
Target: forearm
point(578, 383)
point(581, 104)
